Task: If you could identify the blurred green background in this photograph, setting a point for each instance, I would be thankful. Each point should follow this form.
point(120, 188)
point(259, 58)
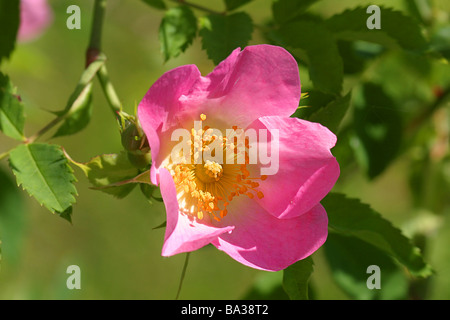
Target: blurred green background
point(112, 240)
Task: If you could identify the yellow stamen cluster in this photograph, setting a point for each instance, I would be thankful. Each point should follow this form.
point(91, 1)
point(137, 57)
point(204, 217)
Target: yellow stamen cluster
point(207, 188)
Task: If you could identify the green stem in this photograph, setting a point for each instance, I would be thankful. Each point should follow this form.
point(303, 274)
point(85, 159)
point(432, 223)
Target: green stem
point(198, 7)
point(97, 25)
point(109, 91)
point(4, 154)
point(41, 132)
point(183, 273)
point(94, 49)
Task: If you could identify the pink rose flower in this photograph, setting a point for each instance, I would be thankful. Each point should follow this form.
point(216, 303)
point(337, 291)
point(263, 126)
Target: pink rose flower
point(35, 17)
point(263, 221)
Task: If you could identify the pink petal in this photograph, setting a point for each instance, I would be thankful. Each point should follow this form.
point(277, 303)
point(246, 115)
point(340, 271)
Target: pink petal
point(307, 169)
point(159, 109)
point(183, 234)
point(261, 80)
point(264, 242)
point(35, 16)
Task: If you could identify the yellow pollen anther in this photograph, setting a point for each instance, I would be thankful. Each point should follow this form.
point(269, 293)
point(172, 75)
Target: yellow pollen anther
point(204, 187)
point(213, 169)
point(223, 213)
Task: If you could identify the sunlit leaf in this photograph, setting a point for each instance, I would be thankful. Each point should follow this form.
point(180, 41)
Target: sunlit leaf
point(324, 61)
point(312, 103)
point(222, 34)
point(350, 217)
point(296, 279)
point(43, 171)
point(79, 115)
point(267, 286)
point(397, 29)
point(287, 10)
point(332, 114)
point(107, 172)
point(177, 30)
point(12, 116)
point(349, 260)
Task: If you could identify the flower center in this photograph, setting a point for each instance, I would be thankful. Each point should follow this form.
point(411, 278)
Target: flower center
point(209, 172)
point(207, 188)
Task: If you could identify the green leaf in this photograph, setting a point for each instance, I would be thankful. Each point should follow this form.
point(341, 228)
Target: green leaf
point(296, 279)
point(222, 34)
point(420, 9)
point(378, 129)
point(79, 114)
point(288, 10)
point(142, 178)
point(313, 102)
point(332, 114)
point(397, 30)
point(148, 190)
point(177, 30)
point(12, 218)
point(349, 259)
point(350, 217)
point(324, 61)
point(440, 41)
point(353, 56)
point(67, 214)
point(343, 150)
point(43, 171)
point(267, 286)
point(107, 173)
point(234, 4)
point(12, 117)
point(157, 4)
point(9, 25)
point(162, 225)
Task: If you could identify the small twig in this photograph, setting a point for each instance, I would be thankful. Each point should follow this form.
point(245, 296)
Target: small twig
point(183, 273)
point(427, 112)
point(4, 154)
point(41, 132)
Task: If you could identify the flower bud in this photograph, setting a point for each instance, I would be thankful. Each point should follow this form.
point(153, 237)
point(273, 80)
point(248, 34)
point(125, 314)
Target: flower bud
point(136, 145)
point(140, 161)
point(131, 141)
